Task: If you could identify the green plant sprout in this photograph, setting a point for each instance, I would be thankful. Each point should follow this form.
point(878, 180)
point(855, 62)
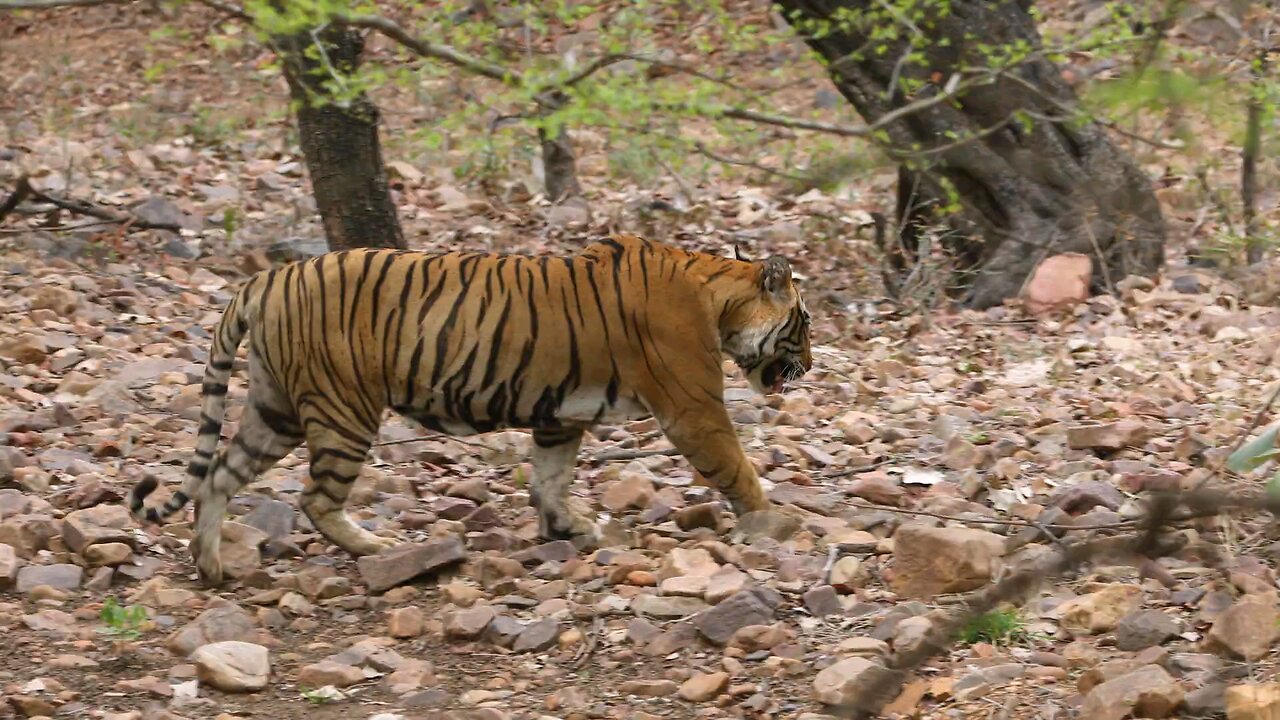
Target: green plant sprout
point(998, 627)
point(122, 623)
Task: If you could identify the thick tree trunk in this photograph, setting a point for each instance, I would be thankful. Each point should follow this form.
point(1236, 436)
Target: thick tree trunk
point(340, 144)
point(1033, 183)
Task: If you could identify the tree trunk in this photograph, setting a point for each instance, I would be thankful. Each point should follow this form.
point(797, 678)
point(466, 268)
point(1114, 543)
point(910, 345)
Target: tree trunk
point(1030, 182)
point(559, 166)
point(340, 144)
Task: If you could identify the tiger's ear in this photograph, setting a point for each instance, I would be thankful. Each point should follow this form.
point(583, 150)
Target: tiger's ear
point(775, 276)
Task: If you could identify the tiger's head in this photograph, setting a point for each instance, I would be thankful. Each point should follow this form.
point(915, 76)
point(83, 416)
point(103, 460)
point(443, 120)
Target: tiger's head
point(768, 333)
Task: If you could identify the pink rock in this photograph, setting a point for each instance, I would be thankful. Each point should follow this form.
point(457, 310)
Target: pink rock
point(1059, 281)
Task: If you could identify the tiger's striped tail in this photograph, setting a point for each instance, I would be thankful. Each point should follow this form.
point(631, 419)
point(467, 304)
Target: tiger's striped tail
point(228, 335)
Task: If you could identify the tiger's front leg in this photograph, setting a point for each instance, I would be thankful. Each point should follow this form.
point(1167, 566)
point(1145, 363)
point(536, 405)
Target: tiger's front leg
point(560, 517)
point(708, 441)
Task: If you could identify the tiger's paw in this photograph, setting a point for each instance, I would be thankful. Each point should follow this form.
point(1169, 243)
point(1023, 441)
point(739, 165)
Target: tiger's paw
point(208, 567)
point(371, 544)
point(572, 522)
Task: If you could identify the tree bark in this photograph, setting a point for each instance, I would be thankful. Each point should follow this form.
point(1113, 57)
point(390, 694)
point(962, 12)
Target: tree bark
point(1030, 181)
point(340, 144)
point(559, 166)
point(1255, 248)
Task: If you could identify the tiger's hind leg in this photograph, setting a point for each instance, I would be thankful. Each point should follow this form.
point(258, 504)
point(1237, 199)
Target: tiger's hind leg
point(337, 455)
point(268, 431)
point(560, 517)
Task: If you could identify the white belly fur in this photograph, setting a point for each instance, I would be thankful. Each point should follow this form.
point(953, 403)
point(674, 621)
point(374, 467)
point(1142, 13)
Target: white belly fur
point(584, 405)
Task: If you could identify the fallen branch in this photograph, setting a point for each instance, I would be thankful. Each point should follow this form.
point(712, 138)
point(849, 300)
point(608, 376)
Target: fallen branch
point(631, 454)
point(20, 193)
point(51, 4)
point(24, 190)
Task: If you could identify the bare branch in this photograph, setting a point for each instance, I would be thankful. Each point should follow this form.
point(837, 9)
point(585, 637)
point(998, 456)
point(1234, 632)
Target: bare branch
point(228, 8)
point(425, 48)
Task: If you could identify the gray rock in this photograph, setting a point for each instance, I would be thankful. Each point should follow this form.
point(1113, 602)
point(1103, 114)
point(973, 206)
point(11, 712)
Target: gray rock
point(503, 631)
point(822, 601)
point(62, 577)
point(1145, 628)
point(538, 636)
point(558, 551)
point(748, 607)
point(217, 624)
point(273, 517)
point(667, 606)
point(765, 523)
point(402, 564)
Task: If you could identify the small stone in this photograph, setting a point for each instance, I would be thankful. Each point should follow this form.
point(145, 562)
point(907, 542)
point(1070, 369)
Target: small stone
point(681, 562)
point(1253, 701)
point(329, 672)
point(474, 489)
point(847, 574)
point(667, 607)
point(929, 561)
point(107, 554)
point(648, 688)
point(405, 622)
point(461, 595)
point(1246, 630)
point(726, 583)
point(1100, 611)
point(468, 624)
point(685, 586)
point(1107, 436)
point(503, 631)
point(409, 676)
point(217, 624)
point(748, 607)
point(558, 551)
point(1058, 282)
point(633, 490)
point(765, 524)
point(9, 565)
point(702, 687)
point(754, 638)
point(60, 577)
point(1148, 692)
point(1144, 629)
point(232, 666)
point(538, 636)
point(702, 515)
point(911, 634)
point(98, 524)
point(822, 601)
point(841, 684)
point(867, 647)
point(406, 562)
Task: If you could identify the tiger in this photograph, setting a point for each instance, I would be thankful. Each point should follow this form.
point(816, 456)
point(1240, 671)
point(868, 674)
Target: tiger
point(464, 343)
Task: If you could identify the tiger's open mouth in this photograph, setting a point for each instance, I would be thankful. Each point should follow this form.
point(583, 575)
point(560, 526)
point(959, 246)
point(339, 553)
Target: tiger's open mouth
point(781, 371)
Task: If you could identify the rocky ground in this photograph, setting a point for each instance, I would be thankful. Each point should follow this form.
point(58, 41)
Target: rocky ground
point(987, 420)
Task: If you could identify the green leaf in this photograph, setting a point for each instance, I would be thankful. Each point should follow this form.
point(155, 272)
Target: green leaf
point(1255, 452)
point(1273, 486)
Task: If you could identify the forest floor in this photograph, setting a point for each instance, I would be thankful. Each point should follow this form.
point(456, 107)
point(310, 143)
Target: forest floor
point(961, 427)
